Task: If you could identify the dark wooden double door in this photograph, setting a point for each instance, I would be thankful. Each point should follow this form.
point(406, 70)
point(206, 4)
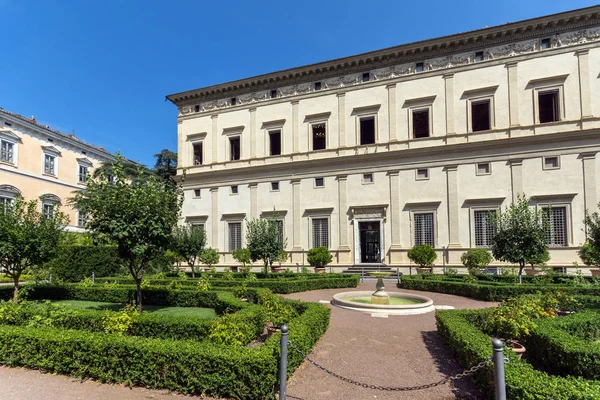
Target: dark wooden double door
point(370, 242)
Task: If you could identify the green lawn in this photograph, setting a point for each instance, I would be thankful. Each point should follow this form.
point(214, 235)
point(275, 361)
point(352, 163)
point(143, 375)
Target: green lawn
point(194, 312)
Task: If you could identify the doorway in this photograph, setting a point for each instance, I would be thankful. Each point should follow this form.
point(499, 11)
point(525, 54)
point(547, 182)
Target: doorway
point(370, 241)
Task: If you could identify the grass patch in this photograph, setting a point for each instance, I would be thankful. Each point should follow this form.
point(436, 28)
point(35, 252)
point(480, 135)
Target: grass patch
point(194, 312)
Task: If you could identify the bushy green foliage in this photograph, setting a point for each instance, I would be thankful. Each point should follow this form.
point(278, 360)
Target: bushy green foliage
point(319, 257)
point(589, 255)
point(264, 240)
point(476, 259)
point(74, 263)
point(278, 311)
point(243, 256)
point(423, 255)
point(188, 243)
point(120, 322)
point(209, 257)
point(516, 317)
point(240, 328)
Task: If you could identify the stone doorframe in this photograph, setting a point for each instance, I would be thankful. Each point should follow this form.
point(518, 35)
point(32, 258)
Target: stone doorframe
point(369, 214)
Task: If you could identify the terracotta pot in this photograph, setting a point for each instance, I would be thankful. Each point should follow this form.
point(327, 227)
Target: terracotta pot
point(517, 347)
point(560, 313)
point(319, 270)
point(595, 272)
point(422, 270)
point(534, 272)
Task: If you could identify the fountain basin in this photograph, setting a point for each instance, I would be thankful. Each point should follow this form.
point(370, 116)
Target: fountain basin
point(400, 303)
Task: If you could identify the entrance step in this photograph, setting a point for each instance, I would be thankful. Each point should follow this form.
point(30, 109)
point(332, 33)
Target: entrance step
point(364, 268)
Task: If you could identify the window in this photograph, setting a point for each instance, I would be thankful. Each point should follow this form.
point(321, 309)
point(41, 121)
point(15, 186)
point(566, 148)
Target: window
point(234, 148)
point(198, 153)
point(279, 224)
point(545, 44)
point(197, 108)
point(82, 219)
point(366, 76)
point(83, 174)
point(484, 169)
point(273, 94)
point(367, 178)
point(548, 106)
point(484, 229)
point(480, 115)
point(48, 209)
point(420, 123)
point(49, 164)
point(7, 124)
point(275, 142)
point(367, 130)
point(422, 174)
point(274, 186)
point(235, 235)
point(197, 192)
point(198, 226)
point(479, 56)
point(233, 101)
point(110, 179)
point(424, 233)
point(234, 189)
point(551, 163)
point(557, 230)
point(419, 67)
point(320, 232)
point(319, 182)
point(7, 152)
point(5, 203)
point(319, 136)
point(317, 85)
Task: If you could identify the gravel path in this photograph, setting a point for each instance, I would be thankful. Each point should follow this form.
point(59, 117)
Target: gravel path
point(394, 351)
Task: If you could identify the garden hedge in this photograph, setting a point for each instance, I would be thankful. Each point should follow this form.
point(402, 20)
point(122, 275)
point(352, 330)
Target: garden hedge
point(74, 263)
point(186, 366)
point(471, 346)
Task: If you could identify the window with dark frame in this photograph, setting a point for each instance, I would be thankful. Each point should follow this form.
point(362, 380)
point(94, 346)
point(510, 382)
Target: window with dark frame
point(483, 168)
point(273, 94)
point(551, 163)
point(235, 235)
point(419, 67)
point(82, 174)
point(48, 210)
point(317, 85)
point(197, 108)
point(82, 219)
point(197, 192)
point(49, 164)
point(366, 76)
point(274, 186)
point(319, 136)
point(234, 148)
point(234, 189)
point(556, 235)
point(233, 101)
point(546, 43)
point(367, 130)
point(479, 56)
point(480, 115)
point(320, 232)
point(422, 174)
point(424, 229)
point(198, 153)
point(319, 182)
point(275, 142)
point(484, 228)
point(367, 178)
point(548, 106)
point(6, 203)
point(420, 123)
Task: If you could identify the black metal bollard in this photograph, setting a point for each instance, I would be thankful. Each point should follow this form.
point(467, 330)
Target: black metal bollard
point(498, 359)
point(283, 362)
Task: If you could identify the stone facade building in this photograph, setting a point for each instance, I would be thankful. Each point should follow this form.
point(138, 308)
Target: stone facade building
point(40, 163)
point(374, 153)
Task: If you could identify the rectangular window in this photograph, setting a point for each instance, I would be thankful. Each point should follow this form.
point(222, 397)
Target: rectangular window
point(484, 229)
point(551, 163)
point(480, 115)
point(420, 122)
point(273, 94)
point(548, 106)
point(279, 224)
point(424, 229)
point(5, 203)
point(320, 232)
point(319, 136)
point(197, 192)
point(198, 153)
point(422, 174)
point(6, 152)
point(198, 226)
point(367, 130)
point(48, 210)
point(419, 67)
point(366, 76)
point(83, 174)
point(545, 43)
point(49, 162)
point(234, 148)
point(275, 142)
point(484, 169)
point(234, 189)
point(557, 230)
point(82, 219)
point(233, 101)
point(319, 182)
point(367, 178)
point(275, 186)
point(235, 235)
point(197, 108)
point(317, 85)
point(479, 56)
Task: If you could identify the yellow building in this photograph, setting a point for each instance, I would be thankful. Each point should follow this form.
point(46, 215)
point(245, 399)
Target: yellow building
point(41, 163)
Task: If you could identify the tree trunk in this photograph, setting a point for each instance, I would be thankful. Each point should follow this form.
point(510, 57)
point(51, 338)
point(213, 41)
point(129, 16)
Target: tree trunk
point(193, 270)
point(16, 290)
point(521, 266)
point(138, 296)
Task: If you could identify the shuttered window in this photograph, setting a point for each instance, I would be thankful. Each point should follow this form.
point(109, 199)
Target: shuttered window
point(484, 229)
point(235, 235)
point(557, 231)
point(424, 233)
point(320, 232)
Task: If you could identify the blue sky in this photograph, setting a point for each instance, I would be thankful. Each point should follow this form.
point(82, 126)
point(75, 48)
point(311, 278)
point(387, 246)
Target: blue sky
point(102, 69)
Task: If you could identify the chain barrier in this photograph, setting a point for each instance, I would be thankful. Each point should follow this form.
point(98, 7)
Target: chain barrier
point(466, 372)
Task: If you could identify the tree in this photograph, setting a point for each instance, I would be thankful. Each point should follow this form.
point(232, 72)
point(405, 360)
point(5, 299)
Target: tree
point(264, 241)
point(243, 256)
point(476, 259)
point(166, 164)
point(28, 237)
point(521, 234)
point(188, 243)
point(590, 251)
point(422, 254)
point(209, 257)
point(319, 257)
point(137, 214)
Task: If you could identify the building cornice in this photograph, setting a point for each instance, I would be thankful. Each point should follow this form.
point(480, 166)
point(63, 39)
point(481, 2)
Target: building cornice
point(393, 56)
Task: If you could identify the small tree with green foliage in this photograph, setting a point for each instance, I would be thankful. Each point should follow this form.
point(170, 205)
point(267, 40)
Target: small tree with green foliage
point(319, 257)
point(264, 241)
point(28, 237)
point(137, 214)
point(209, 257)
point(476, 259)
point(243, 256)
point(589, 255)
point(188, 243)
point(422, 254)
point(590, 252)
point(521, 234)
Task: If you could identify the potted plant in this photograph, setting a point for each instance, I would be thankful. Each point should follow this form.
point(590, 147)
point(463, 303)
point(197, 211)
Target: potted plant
point(209, 257)
point(539, 260)
point(424, 255)
point(476, 260)
point(590, 257)
point(283, 255)
point(319, 257)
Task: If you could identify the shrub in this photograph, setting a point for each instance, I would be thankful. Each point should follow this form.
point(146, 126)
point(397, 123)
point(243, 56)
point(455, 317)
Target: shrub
point(243, 256)
point(240, 328)
point(74, 263)
point(476, 259)
point(209, 257)
point(278, 312)
point(422, 254)
point(120, 322)
point(319, 257)
point(589, 255)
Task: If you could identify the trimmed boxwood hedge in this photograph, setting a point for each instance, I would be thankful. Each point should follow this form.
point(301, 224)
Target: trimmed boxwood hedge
point(488, 292)
point(186, 366)
point(472, 346)
point(73, 263)
point(567, 346)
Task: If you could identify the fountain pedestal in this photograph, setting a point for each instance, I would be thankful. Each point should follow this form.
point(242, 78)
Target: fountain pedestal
point(380, 296)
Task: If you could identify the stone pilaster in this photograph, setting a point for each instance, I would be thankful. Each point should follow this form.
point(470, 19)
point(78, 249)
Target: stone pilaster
point(341, 120)
point(253, 136)
point(391, 89)
point(590, 185)
point(453, 207)
point(253, 199)
point(214, 217)
point(182, 148)
point(295, 133)
point(297, 221)
point(513, 94)
point(584, 83)
point(343, 207)
point(394, 210)
point(215, 139)
point(516, 175)
point(449, 90)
